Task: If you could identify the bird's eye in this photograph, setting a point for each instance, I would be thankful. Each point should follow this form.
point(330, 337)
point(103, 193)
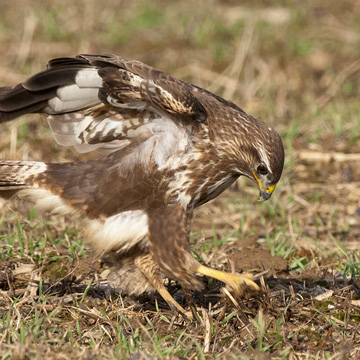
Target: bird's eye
point(262, 170)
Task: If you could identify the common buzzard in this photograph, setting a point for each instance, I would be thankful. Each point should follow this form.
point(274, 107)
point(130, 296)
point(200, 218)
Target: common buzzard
point(168, 147)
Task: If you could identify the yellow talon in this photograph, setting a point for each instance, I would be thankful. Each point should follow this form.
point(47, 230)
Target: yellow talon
point(237, 283)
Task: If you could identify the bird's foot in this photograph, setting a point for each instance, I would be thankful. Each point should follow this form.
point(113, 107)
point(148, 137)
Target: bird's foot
point(238, 284)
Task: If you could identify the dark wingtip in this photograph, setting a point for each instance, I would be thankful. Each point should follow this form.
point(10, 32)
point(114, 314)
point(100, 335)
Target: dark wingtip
point(11, 115)
point(16, 101)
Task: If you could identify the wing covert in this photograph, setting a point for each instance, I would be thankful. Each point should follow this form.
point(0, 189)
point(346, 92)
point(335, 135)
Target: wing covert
point(102, 102)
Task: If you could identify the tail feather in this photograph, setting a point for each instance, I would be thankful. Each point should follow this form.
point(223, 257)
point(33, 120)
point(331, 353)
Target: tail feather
point(17, 175)
point(28, 180)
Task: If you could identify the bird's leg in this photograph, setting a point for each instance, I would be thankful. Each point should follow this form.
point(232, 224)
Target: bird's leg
point(152, 272)
point(169, 247)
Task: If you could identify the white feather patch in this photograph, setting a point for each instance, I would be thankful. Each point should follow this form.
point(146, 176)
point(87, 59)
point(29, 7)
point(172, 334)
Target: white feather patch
point(73, 92)
point(102, 129)
point(73, 130)
point(263, 156)
point(88, 78)
point(46, 201)
point(33, 168)
point(138, 105)
point(55, 105)
point(119, 232)
point(169, 138)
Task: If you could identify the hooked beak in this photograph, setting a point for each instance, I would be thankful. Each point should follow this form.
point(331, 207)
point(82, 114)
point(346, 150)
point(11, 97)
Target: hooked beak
point(265, 192)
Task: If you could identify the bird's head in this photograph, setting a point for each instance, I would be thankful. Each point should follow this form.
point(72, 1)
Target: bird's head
point(267, 161)
point(260, 156)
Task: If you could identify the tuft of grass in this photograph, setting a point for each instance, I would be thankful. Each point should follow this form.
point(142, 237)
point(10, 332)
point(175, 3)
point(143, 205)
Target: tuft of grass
point(294, 66)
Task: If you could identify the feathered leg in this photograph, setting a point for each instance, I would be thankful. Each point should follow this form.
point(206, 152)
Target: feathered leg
point(169, 246)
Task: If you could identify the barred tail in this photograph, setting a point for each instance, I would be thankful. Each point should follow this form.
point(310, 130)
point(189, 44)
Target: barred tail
point(30, 181)
point(17, 175)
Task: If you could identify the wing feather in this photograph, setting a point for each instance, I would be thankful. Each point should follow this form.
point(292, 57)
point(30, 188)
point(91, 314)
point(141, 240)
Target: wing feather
point(103, 102)
point(101, 128)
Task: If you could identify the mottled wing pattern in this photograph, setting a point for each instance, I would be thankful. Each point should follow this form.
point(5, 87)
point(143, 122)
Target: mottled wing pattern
point(101, 128)
point(132, 82)
point(102, 103)
point(170, 146)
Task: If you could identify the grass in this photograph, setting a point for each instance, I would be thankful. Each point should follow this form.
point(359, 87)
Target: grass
point(294, 65)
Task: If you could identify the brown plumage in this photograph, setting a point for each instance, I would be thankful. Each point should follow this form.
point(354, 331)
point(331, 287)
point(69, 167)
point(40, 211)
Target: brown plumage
point(168, 147)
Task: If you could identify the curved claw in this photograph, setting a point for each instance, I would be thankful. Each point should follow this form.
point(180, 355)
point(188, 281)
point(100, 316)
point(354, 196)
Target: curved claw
point(238, 283)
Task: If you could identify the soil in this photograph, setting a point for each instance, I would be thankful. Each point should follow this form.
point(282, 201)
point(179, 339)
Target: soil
point(250, 256)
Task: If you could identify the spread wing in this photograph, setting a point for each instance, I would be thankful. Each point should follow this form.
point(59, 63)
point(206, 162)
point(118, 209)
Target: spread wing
point(103, 103)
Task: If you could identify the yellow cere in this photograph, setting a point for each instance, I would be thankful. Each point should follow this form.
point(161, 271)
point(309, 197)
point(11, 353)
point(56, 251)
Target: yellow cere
point(269, 189)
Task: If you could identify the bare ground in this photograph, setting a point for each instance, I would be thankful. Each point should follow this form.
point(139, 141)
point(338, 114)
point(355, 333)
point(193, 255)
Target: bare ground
point(295, 66)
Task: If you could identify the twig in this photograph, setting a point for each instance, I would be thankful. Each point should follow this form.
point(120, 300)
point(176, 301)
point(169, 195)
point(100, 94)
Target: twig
point(207, 338)
point(324, 296)
point(234, 70)
point(227, 293)
point(26, 41)
point(321, 156)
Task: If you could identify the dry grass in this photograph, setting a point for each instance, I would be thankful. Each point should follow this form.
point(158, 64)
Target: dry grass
point(296, 66)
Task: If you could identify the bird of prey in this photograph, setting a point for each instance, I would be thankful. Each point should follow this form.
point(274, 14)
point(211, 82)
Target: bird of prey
point(167, 147)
